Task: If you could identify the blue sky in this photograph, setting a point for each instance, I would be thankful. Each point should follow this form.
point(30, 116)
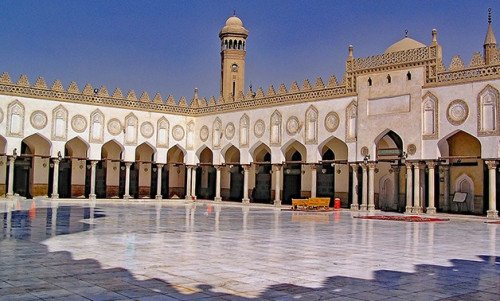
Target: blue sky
point(172, 47)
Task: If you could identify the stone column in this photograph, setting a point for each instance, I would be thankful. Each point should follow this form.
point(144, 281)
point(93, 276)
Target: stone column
point(446, 187)
point(396, 170)
point(245, 200)
point(417, 207)
point(409, 186)
point(55, 179)
point(371, 186)
point(277, 187)
point(364, 192)
point(432, 207)
point(188, 182)
point(355, 200)
point(10, 188)
point(193, 183)
point(217, 183)
point(127, 196)
point(492, 206)
point(93, 165)
point(158, 195)
point(314, 174)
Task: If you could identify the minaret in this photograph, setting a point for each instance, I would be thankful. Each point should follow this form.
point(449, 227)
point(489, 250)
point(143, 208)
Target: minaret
point(233, 50)
point(490, 43)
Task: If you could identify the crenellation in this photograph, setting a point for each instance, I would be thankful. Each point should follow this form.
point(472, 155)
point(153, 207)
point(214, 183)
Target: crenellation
point(131, 95)
point(23, 81)
point(202, 102)
point(332, 81)
point(294, 87)
point(103, 92)
point(145, 97)
point(88, 90)
point(282, 89)
point(5, 79)
point(211, 101)
point(157, 98)
point(456, 63)
point(57, 86)
point(477, 60)
point(260, 93)
point(270, 91)
point(73, 88)
point(319, 83)
point(183, 102)
point(118, 94)
point(40, 83)
point(306, 86)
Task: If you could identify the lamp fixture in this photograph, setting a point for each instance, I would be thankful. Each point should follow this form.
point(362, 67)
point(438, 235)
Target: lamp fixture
point(366, 158)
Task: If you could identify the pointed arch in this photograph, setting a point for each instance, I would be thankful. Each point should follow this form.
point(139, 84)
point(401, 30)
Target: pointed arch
point(430, 113)
point(292, 146)
point(231, 154)
point(112, 150)
point(311, 126)
point(176, 154)
point(259, 150)
point(96, 134)
point(459, 143)
point(131, 124)
point(388, 144)
point(145, 152)
point(244, 130)
point(337, 146)
point(163, 127)
point(77, 147)
point(488, 106)
point(276, 126)
point(59, 123)
point(205, 154)
point(38, 144)
point(15, 119)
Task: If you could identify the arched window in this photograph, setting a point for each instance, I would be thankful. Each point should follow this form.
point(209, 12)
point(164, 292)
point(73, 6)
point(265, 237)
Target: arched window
point(388, 79)
point(369, 81)
point(408, 75)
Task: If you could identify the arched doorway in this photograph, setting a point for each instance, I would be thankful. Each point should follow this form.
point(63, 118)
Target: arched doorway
point(261, 193)
point(110, 172)
point(31, 168)
point(72, 169)
point(174, 174)
point(144, 178)
point(292, 179)
point(389, 151)
point(205, 175)
point(325, 175)
point(232, 179)
point(294, 153)
point(465, 173)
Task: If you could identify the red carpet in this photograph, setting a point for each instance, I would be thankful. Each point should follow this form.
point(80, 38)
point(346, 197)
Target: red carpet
point(405, 218)
point(495, 222)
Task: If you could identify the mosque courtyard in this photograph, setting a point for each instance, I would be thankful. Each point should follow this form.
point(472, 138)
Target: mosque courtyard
point(172, 250)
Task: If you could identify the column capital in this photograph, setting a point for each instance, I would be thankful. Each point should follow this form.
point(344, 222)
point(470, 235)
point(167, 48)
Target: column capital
point(94, 162)
point(354, 165)
point(372, 165)
point(246, 167)
point(128, 164)
point(431, 164)
point(159, 165)
point(277, 167)
point(492, 164)
point(313, 166)
point(417, 165)
point(12, 158)
point(408, 165)
point(219, 167)
point(55, 160)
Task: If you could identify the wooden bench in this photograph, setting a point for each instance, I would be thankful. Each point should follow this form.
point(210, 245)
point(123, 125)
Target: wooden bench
point(299, 203)
point(311, 203)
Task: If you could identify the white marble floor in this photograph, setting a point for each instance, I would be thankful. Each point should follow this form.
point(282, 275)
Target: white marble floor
point(177, 251)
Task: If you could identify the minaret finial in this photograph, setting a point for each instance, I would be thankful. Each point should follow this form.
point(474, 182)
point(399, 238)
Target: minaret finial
point(406, 33)
point(489, 15)
point(234, 12)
